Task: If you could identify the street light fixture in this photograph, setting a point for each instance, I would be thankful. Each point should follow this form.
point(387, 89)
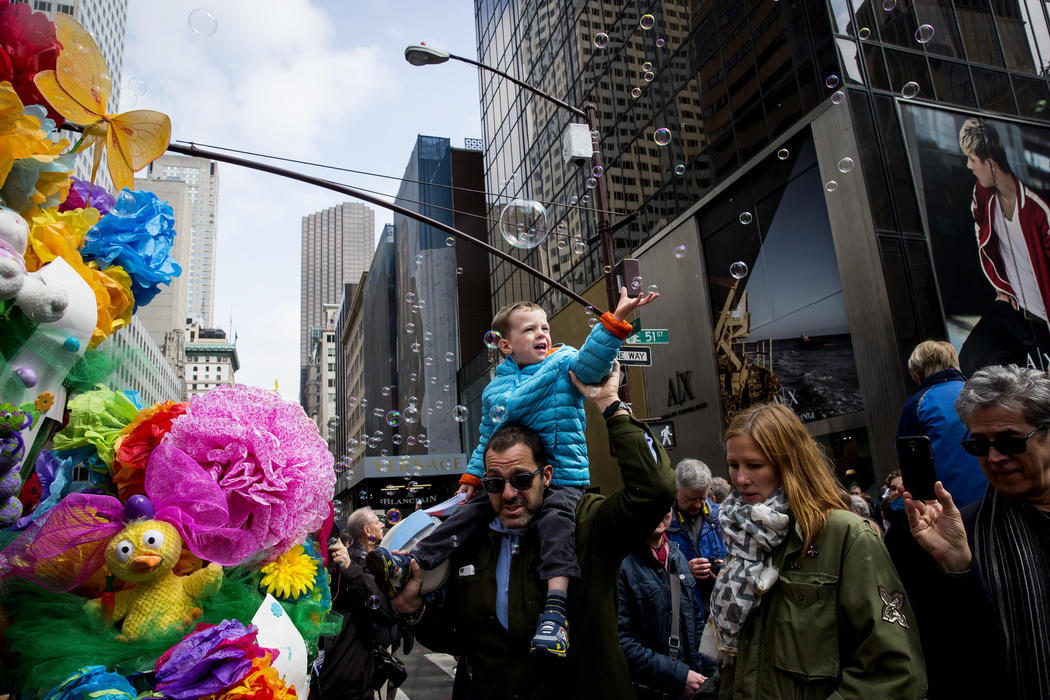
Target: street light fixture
point(423, 55)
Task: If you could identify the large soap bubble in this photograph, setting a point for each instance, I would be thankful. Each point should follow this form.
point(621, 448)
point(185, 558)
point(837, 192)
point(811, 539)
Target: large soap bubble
point(523, 223)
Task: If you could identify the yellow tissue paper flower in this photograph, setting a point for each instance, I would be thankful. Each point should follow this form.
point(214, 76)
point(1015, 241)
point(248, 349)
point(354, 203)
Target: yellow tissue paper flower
point(71, 226)
point(289, 575)
point(21, 135)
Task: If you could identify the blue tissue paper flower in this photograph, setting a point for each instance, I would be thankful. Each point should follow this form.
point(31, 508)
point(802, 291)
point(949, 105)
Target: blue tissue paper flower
point(136, 234)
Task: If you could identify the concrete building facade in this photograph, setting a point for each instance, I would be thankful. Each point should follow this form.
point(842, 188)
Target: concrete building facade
point(211, 360)
point(144, 368)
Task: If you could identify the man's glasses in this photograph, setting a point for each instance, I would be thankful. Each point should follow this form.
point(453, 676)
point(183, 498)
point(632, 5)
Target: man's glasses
point(518, 482)
point(1011, 445)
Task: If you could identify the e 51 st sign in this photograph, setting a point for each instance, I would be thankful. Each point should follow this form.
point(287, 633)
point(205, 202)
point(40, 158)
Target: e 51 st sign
point(649, 336)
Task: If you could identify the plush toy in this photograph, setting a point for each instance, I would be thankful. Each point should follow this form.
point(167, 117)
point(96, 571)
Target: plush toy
point(13, 420)
point(38, 301)
point(144, 553)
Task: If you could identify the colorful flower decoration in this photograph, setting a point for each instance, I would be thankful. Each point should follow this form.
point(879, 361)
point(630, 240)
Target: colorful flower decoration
point(291, 575)
point(209, 660)
point(42, 179)
point(262, 683)
point(137, 441)
point(24, 142)
point(96, 419)
point(79, 90)
point(50, 225)
point(44, 402)
point(93, 682)
point(28, 45)
point(82, 194)
point(266, 455)
point(136, 234)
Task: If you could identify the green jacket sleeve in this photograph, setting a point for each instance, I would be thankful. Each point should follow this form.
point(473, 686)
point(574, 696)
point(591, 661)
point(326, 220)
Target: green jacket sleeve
point(624, 519)
point(888, 662)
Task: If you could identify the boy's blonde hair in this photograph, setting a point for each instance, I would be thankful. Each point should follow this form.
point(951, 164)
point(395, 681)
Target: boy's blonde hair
point(931, 356)
point(501, 321)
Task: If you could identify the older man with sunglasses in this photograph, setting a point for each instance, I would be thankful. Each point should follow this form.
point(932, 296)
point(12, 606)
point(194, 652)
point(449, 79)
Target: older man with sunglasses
point(994, 593)
point(487, 610)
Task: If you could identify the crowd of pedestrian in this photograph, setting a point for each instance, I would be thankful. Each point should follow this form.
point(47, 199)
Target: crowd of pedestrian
point(782, 582)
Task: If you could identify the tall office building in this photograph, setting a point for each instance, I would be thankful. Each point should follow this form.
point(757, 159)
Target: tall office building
point(106, 21)
point(798, 174)
point(144, 369)
point(201, 177)
point(337, 246)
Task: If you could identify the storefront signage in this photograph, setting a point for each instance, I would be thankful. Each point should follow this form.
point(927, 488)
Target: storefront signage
point(641, 355)
point(414, 465)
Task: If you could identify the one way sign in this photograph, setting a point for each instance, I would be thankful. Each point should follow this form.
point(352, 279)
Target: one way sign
point(636, 355)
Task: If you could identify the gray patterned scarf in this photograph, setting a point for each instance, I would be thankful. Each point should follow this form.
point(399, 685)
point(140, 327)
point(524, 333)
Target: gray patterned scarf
point(1015, 564)
point(751, 534)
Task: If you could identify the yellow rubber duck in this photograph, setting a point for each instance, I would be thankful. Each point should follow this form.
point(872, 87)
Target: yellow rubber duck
point(144, 553)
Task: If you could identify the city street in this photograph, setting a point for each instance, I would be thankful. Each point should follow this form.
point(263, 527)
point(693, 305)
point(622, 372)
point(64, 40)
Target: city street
point(429, 675)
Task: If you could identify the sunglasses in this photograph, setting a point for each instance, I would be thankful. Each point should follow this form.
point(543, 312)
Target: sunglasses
point(980, 446)
point(518, 482)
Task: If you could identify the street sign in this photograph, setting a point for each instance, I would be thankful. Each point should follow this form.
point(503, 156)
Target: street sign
point(650, 336)
point(641, 356)
point(664, 432)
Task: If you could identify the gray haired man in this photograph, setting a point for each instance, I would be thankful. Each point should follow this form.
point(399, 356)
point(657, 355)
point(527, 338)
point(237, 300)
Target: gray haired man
point(995, 594)
point(694, 527)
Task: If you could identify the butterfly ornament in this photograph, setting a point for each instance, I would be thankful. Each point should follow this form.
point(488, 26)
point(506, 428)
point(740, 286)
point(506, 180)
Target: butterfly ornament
point(79, 90)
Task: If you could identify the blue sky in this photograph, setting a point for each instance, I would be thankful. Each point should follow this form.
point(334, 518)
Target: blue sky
point(320, 81)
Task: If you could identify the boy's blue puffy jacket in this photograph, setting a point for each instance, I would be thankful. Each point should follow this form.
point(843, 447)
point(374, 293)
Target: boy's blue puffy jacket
point(543, 398)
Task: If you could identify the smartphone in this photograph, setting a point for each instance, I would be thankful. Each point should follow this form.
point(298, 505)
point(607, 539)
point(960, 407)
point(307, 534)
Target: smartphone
point(917, 469)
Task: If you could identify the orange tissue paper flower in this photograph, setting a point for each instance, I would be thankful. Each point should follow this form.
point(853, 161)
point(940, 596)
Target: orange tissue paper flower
point(136, 442)
point(262, 683)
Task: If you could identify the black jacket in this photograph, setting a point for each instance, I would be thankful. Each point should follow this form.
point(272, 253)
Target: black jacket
point(348, 670)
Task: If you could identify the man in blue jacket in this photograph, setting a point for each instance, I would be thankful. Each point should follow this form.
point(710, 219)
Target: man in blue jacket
point(930, 411)
point(661, 666)
point(694, 528)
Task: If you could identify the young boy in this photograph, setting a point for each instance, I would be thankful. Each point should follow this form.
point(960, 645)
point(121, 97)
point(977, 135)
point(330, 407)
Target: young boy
point(531, 387)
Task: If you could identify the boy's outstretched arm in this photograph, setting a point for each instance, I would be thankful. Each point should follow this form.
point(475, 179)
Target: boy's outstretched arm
point(595, 358)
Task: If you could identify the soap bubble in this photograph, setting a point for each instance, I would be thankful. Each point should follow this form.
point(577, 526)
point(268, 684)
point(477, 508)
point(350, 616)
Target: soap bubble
point(492, 339)
point(601, 40)
point(679, 169)
point(202, 22)
point(136, 86)
point(597, 171)
point(864, 33)
point(910, 90)
point(363, 495)
point(745, 217)
point(523, 223)
point(662, 136)
point(396, 438)
point(498, 414)
point(427, 336)
point(831, 185)
point(832, 81)
point(595, 135)
point(385, 391)
point(889, 4)
point(647, 66)
point(924, 34)
point(416, 347)
point(450, 241)
point(439, 404)
point(428, 361)
point(378, 412)
point(410, 414)
point(352, 402)
point(783, 154)
point(573, 199)
point(393, 516)
point(459, 270)
point(585, 199)
point(636, 93)
point(419, 259)
point(410, 328)
point(648, 76)
point(592, 322)
point(384, 466)
point(837, 97)
point(410, 297)
point(636, 283)
point(607, 269)
point(411, 440)
point(652, 289)
point(647, 22)
point(845, 164)
point(450, 357)
point(738, 270)
point(393, 418)
point(579, 247)
point(591, 183)
point(460, 413)
point(679, 252)
point(433, 380)
point(660, 42)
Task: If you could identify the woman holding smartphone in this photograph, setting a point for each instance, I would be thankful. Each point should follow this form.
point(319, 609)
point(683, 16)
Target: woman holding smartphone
point(808, 604)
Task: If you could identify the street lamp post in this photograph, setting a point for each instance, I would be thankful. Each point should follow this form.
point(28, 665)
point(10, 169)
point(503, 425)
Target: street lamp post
point(423, 55)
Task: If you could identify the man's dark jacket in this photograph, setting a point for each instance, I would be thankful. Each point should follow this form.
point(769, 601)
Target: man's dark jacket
point(645, 622)
point(463, 619)
point(348, 671)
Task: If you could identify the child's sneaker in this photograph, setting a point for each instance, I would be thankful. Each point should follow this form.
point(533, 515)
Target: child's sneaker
point(552, 635)
point(391, 571)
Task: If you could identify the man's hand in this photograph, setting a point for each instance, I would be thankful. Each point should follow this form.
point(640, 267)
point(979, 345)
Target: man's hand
point(938, 528)
point(409, 600)
point(468, 490)
point(700, 568)
point(693, 681)
point(626, 304)
point(604, 394)
point(340, 556)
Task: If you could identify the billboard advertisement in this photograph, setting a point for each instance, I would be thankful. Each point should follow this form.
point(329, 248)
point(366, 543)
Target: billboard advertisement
point(983, 184)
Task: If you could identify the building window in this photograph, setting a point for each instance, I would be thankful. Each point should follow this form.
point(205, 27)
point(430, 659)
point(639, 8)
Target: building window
point(41, 5)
